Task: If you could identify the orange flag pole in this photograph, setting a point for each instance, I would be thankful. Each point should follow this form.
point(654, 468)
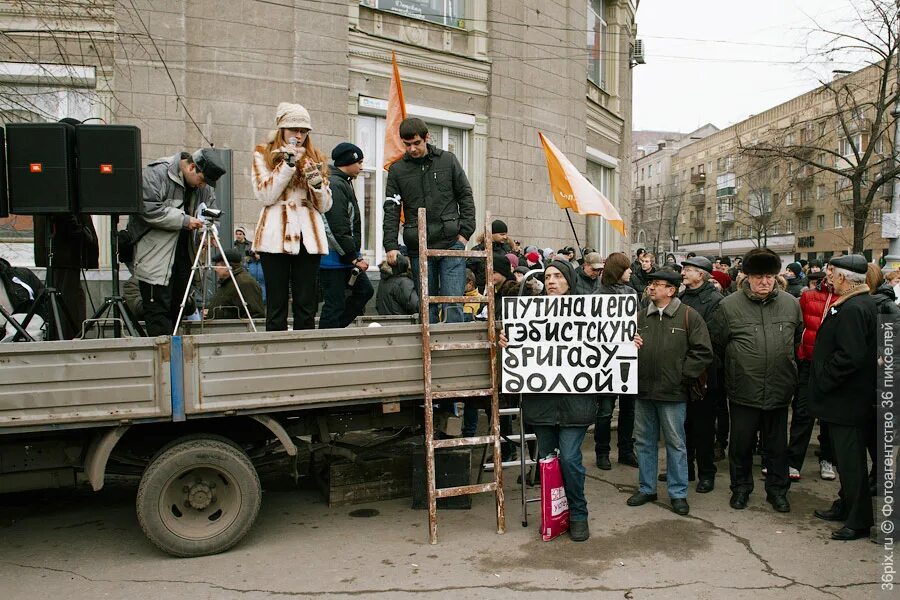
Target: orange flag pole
point(396, 112)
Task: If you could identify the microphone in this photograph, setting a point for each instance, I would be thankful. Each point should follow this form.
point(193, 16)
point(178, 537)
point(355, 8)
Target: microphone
point(291, 158)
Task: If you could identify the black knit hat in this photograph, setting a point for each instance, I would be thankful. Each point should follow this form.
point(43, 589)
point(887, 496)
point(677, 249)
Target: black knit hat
point(345, 154)
point(761, 261)
point(499, 226)
point(564, 267)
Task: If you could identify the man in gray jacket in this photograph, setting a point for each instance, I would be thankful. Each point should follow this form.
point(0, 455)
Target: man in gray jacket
point(755, 332)
point(173, 188)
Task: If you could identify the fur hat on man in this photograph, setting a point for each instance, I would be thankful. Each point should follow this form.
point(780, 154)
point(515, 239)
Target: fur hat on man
point(292, 116)
point(761, 261)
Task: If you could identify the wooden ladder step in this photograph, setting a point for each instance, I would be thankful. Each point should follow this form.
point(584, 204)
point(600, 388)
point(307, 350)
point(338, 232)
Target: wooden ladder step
point(463, 490)
point(438, 346)
point(457, 253)
point(456, 299)
point(461, 394)
point(462, 442)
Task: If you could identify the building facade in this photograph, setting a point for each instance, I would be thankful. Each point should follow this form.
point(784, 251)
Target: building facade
point(737, 199)
point(485, 76)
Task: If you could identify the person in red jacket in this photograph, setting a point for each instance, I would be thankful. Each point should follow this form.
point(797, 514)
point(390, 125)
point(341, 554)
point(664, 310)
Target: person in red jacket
point(814, 303)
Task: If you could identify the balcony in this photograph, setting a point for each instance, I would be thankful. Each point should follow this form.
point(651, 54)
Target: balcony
point(698, 223)
point(698, 178)
point(725, 217)
point(698, 199)
point(724, 192)
point(802, 178)
point(804, 208)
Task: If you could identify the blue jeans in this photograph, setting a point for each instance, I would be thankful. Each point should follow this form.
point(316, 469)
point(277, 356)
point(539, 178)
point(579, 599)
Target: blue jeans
point(446, 277)
point(649, 417)
point(568, 441)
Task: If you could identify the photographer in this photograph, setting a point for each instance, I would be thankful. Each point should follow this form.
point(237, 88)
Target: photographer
point(291, 182)
point(172, 189)
point(344, 268)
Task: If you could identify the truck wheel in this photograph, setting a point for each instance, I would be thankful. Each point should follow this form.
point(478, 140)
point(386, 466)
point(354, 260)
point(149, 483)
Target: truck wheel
point(200, 495)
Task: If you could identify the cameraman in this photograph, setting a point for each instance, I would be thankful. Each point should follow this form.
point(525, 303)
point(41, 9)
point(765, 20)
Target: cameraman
point(343, 268)
point(173, 188)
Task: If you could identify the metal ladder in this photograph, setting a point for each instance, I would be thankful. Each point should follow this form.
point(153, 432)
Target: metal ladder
point(431, 444)
point(524, 461)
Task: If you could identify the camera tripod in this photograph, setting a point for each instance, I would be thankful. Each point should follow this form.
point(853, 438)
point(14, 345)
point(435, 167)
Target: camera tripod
point(210, 236)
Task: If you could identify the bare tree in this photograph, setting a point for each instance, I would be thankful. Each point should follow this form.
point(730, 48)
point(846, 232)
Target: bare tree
point(852, 139)
point(760, 200)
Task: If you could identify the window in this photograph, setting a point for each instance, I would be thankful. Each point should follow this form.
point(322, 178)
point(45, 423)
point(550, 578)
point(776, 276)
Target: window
point(596, 43)
point(682, 218)
point(720, 163)
point(642, 173)
point(804, 223)
point(838, 220)
point(875, 214)
point(789, 226)
point(604, 179)
point(372, 181)
point(820, 221)
point(776, 172)
point(650, 170)
point(442, 12)
point(820, 192)
point(789, 198)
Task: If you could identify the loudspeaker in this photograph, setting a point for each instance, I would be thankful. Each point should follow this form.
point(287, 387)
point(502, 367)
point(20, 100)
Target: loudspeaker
point(4, 199)
point(109, 169)
point(41, 167)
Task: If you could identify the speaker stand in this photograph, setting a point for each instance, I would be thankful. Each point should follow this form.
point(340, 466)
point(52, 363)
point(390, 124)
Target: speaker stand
point(51, 297)
point(114, 306)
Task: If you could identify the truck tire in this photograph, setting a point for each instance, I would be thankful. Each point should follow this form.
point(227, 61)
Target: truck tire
point(200, 495)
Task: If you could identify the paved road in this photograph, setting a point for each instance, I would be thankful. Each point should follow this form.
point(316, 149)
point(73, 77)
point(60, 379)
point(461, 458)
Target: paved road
point(79, 545)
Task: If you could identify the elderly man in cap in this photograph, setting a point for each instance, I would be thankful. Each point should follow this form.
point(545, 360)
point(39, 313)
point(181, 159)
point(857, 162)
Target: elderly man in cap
point(842, 390)
point(226, 302)
point(587, 276)
point(755, 332)
point(499, 244)
point(344, 269)
point(173, 189)
point(674, 351)
point(701, 295)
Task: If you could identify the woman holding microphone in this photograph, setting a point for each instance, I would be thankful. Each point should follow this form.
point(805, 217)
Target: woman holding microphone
point(291, 180)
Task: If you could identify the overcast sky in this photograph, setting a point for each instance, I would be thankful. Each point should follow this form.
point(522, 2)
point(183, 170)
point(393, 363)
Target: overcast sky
point(720, 61)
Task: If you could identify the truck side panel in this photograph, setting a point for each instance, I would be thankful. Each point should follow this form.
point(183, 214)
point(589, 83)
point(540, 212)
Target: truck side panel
point(100, 381)
point(247, 372)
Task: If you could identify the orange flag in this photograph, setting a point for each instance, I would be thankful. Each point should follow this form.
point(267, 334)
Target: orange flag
point(396, 112)
point(572, 190)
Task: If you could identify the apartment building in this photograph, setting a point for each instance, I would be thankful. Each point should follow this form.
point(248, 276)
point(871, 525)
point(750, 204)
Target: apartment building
point(733, 200)
point(485, 76)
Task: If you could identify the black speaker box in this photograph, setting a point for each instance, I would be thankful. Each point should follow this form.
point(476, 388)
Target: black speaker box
point(452, 468)
point(4, 199)
point(41, 167)
point(109, 169)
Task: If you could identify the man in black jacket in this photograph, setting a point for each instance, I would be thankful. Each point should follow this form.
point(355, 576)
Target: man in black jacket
point(842, 391)
point(701, 295)
point(429, 177)
point(499, 245)
point(344, 268)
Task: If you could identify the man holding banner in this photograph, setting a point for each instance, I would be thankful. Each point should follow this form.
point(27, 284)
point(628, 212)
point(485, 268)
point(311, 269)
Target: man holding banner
point(674, 351)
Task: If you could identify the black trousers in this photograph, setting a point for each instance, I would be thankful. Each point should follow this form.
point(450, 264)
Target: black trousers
point(294, 277)
point(802, 422)
point(339, 310)
point(73, 305)
point(722, 419)
point(700, 429)
point(603, 425)
point(745, 422)
point(850, 447)
point(162, 302)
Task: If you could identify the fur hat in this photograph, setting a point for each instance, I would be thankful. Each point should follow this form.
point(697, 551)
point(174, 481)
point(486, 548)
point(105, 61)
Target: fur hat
point(761, 261)
point(292, 116)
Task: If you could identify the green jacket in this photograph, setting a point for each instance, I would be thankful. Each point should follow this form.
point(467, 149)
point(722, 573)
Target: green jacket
point(671, 356)
point(226, 304)
point(757, 340)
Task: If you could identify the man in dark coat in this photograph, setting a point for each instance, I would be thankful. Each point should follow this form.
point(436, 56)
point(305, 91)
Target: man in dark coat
point(587, 275)
point(432, 178)
point(396, 292)
point(499, 245)
point(674, 351)
point(343, 269)
point(701, 295)
point(755, 332)
point(842, 391)
point(226, 302)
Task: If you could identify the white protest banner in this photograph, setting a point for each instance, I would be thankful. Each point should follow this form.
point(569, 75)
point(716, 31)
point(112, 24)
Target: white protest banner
point(570, 344)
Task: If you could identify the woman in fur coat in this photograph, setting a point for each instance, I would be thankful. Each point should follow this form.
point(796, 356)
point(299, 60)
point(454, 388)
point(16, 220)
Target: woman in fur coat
point(291, 180)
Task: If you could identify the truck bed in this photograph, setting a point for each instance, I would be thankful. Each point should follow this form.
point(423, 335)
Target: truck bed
point(105, 382)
